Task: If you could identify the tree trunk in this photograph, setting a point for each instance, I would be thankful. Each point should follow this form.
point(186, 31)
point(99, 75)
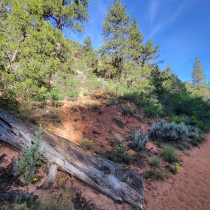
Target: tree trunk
point(58, 47)
point(16, 51)
point(109, 178)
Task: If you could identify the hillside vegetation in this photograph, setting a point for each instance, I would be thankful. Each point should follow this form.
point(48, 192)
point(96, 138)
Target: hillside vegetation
point(37, 64)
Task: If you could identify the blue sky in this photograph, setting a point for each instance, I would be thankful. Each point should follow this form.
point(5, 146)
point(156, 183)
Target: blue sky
point(181, 27)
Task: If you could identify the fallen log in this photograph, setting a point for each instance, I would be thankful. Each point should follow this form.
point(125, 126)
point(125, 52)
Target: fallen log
point(108, 177)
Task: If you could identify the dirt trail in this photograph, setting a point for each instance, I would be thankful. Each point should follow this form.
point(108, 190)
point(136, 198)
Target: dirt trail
point(188, 190)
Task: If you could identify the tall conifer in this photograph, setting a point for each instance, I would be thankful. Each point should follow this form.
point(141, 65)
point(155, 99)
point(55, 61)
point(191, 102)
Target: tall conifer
point(66, 14)
point(140, 52)
point(115, 30)
point(198, 75)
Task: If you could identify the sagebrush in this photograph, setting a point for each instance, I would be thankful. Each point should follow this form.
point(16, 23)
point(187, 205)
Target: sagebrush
point(29, 159)
point(139, 141)
point(162, 131)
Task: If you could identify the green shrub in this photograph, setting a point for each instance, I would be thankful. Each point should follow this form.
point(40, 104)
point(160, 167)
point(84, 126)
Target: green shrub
point(86, 143)
point(66, 86)
point(206, 128)
point(172, 132)
point(40, 97)
point(2, 101)
point(14, 108)
point(154, 161)
point(118, 154)
point(128, 110)
point(170, 154)
point(50, 202)
point(197, 140)
point(151, 105)
point(56, 93)
point(119, 121)
point(29, 158)
point(30, 119)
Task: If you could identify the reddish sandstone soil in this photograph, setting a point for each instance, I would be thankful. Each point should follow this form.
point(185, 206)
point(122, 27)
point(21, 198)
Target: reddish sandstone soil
point(188, 189)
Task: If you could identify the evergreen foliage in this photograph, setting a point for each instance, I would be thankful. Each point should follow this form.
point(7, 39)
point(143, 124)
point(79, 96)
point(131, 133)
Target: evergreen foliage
point(90, 56)
point(66, 14)
point(198, 75)
point(140, 53)
point(69, 14)
point(115, 29)
point(38, 63)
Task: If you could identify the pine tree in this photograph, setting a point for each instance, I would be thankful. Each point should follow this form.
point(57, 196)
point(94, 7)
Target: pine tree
point(135, 42)
point(88, 52)
point(66, 14)
point(141, 53)
point(198, 75)
point(115, 30)
point(88, 48)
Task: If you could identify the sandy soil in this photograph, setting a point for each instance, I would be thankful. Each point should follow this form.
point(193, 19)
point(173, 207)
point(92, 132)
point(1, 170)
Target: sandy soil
point(187, 190)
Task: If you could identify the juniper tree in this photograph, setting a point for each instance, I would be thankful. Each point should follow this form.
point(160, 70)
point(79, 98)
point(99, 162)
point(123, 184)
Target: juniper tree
point(31, 55)
point(115, 30)
point(18, 25)
point(198, 75)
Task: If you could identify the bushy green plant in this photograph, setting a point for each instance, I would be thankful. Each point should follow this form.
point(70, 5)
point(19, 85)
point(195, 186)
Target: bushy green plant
point(139, 141)
point(86, 143)
point(151, 105)
point(29, 158)
point(170, 154)
point(197, 140)
point(119, 121)
point(118, 152)
point(2, 101)
point(66, 86)
point(154, 161)
point(40, 97)
point(188, 120)
point(172, 132)
point(128, 110)
point(49, 202)
point(56, 93)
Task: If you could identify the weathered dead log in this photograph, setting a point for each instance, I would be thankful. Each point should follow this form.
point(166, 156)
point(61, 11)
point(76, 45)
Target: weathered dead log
point(51, 177)
point(20, 197)
point(99, 173)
